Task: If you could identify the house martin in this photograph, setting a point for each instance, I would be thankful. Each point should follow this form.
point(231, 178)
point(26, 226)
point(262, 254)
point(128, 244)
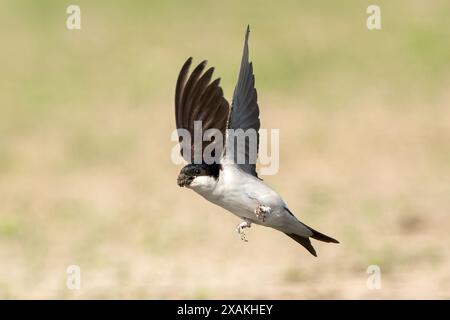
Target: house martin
point(231, 181)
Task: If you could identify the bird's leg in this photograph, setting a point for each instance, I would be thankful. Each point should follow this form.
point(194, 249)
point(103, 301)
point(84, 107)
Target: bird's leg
point(240, 228)
point(261, 211)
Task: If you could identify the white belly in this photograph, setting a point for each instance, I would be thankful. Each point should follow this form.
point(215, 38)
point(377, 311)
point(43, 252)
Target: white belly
point(241, 194)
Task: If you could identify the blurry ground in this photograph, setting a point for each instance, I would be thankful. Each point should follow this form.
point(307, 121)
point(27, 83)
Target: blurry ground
point(85, 171)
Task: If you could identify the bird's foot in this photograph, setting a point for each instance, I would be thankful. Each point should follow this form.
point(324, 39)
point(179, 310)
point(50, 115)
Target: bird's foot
point(261, 211)
point(240, 229)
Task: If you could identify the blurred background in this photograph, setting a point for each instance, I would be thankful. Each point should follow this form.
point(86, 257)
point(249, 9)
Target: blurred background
point(85, 171)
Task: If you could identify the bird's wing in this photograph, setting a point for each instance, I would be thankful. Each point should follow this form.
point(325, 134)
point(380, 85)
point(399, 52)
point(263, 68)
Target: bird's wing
point(242, 145)
point(199, 99)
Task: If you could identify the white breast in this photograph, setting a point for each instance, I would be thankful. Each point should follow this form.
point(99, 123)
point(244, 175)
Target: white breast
point(237, 192)
point(203, 185)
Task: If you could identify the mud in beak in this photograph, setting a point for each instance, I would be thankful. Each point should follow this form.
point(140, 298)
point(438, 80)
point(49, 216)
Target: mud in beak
point(184, 180)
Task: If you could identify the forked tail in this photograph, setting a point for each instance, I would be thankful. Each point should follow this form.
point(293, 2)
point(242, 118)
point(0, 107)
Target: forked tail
point(306, 242)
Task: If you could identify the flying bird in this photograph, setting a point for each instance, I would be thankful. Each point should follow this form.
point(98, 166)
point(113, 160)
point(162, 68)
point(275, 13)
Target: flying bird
point(231, 184)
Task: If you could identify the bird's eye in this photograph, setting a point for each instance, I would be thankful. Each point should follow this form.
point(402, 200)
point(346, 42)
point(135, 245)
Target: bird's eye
point(197, 171)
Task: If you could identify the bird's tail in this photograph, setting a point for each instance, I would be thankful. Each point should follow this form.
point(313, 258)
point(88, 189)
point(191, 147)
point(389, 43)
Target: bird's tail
point(306, 242)
point(321, 237)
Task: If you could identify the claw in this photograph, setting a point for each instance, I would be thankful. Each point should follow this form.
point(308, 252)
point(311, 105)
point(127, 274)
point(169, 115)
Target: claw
point(242, 234)
point(240, 229)
point(261, 211)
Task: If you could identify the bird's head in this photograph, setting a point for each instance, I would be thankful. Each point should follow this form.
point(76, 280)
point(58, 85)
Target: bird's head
point(190, 172)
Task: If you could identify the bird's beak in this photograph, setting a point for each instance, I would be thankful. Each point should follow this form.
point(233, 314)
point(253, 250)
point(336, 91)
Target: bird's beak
point(184, 180)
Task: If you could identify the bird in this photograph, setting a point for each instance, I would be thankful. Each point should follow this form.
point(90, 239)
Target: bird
point(231, 184)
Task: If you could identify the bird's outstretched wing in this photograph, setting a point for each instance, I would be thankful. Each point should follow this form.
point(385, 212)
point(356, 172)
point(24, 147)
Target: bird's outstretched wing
point(199, 99)
point(242, 145)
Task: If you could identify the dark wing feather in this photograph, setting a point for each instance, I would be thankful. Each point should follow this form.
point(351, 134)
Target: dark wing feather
point(244, 115)
point(199, 99)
